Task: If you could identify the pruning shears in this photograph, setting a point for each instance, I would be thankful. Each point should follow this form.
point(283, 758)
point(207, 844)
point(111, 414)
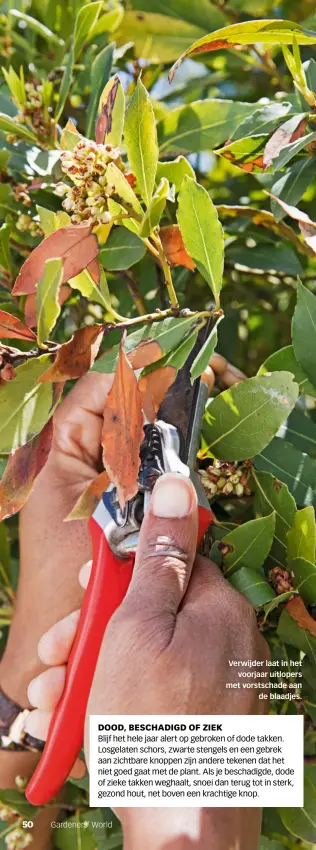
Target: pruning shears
point(169, 445)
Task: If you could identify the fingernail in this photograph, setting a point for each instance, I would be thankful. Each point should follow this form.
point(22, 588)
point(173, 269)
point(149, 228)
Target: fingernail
point(172, 496)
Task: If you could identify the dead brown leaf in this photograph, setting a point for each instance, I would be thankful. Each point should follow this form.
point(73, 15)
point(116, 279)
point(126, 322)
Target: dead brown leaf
point(123, 430)
point(145, 354)
point(173, 246)
point(75, 244)
point(12, 328)
point(104, 120)
point(86, 504)
point(305, 223)
point(281, 137)
point(21, 471)
point(153, 388)
point(298, 611)
point(74, 358)
point(7, 373)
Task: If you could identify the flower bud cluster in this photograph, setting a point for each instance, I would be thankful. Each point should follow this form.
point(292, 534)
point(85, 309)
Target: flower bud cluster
point(25, 223)
point(281, 580)
point(35, 114)
point(86, 167)
point(223, 478)
point(21, 194)
point(6, 813)
point(18, 839)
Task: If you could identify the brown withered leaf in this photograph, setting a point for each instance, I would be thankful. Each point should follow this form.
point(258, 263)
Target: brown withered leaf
point(153, 388)
point(123, 430)
point(145, 354)
point(305, 223)
point(104, 121)
point(173, 246)
point(86, 504)
point(298, 611)
point(12, 328)
point(94, 269)
point(265, 218)
point(75, 244)
point(74, 358)
point(282, 136)
point(21, 471)
point(7, 373)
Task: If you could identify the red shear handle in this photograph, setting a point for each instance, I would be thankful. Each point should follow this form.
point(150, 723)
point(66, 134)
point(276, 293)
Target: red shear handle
point(107, 587)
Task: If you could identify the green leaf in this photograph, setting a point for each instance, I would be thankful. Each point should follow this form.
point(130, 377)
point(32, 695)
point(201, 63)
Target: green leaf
point(107, 22)
point(112, 105)
point(241, 421)
point(287, 153)
point(285, 359)
point(85, 21)
point(25, 406)
point(65, 82)
point(9, 125)
point(300, 430)
point(155, 209)
point(76, 836)
point(263, 120)
point(272, 495)
point(202, 233)
point(304, 328)
point(175, 171)
point(100, 72)
point(168, 334)
point(253, 586)
point(179, 355)
point(122, 249)
point(249, 32)
point(246, 153)
point(293, 184)
point(266, 844)
point(304, 578)
point(278, 600)
point(125, 193)
point(47, 303)
point(37, 27)
point(15, 799)
point(291, 466)
point(267, 256)
point(16, 85)
point(156, 37)
point(5, 253)
point(202, 359)
point(302, 536)
point(89, 289)
point(141, 140)
point(4, 158)
point(201, 125)
point(201, 13)
point(249, 544)
point(302, 821)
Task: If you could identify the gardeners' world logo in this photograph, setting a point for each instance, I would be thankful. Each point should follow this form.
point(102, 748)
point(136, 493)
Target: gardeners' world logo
point(67, 824)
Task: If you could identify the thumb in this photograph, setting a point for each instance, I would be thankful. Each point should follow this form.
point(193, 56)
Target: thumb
point(167, 545)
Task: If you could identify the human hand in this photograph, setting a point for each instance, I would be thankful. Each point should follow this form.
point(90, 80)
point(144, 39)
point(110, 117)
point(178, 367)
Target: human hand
point(51, 551)
point(166, 650)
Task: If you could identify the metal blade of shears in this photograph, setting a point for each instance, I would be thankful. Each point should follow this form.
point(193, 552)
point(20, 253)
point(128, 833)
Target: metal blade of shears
point(183, 407)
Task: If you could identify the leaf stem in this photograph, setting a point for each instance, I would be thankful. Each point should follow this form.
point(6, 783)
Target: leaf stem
point(165, 267)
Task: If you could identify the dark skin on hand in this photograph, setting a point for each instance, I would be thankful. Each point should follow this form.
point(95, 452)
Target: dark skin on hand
point(165, 651)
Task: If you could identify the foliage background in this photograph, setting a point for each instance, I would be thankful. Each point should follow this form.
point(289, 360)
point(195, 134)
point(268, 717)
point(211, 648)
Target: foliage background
point(263, 258)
